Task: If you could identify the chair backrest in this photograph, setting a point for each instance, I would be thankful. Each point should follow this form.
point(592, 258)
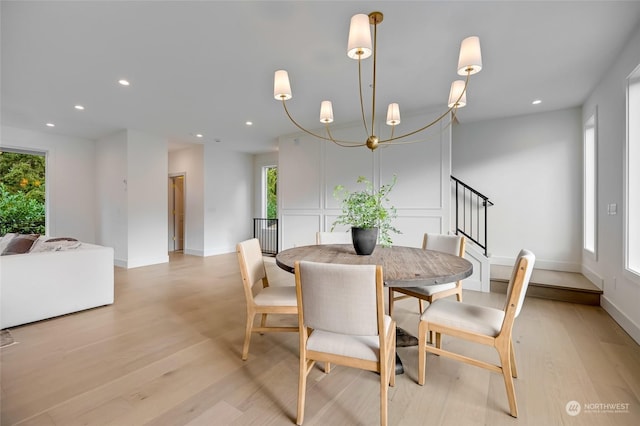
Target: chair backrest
point(521, 272)
point(345, 299)
point(333, 237)
point(452, 244)
point(251, 266)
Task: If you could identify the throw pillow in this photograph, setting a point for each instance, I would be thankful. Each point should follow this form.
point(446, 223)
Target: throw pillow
point(20, 244)
point(4, 241)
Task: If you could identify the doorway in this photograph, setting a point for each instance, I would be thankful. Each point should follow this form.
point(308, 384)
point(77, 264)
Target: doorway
point(176, 212)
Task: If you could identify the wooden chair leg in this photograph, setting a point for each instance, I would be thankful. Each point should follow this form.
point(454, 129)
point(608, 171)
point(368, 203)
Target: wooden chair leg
point(327, 367)
point(422, 351)
point(247, 335)
point(302, 389)
point(392, 362)
point(384, 394)
point(263, 322)
point(421, 306)
point(505, 363)
point(391, 301)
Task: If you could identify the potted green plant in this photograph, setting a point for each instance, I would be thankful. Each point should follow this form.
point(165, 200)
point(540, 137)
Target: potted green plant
point(366, 213)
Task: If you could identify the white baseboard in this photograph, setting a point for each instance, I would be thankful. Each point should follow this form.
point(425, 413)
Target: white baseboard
point(192, 252)
point(551, 265)
point(596, 279)
point(624, 321)
point(136, 263)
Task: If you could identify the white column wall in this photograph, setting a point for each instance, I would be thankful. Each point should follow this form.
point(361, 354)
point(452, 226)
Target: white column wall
point(147, 200)
point(190, 161)
point(228, 196)
point(531, 168)
point(70, 183)
point(111, 193)
point(621, 291)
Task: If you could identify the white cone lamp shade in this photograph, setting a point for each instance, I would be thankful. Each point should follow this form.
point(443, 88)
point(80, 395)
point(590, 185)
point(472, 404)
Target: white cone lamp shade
point(281, 86)
point(326, 112)
point(457, 89)
point(470, 56)
point(359, 45)
point(393, 115)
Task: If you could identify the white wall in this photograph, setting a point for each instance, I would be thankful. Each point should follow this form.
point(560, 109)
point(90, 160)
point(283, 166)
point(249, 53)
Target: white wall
point(190, 161)
point(621, 292)
point(309, 170)
point(111, 195)
point(70, 180)
point(228, 199)
point(531, 168)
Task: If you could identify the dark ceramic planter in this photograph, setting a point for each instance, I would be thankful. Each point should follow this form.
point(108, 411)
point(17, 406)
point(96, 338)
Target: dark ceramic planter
point(364, 240)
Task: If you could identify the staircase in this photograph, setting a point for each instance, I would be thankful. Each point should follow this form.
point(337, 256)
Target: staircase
point(569, 287)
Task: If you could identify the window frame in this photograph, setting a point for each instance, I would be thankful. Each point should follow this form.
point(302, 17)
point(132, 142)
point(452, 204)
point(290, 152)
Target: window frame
point(47, 189)
point(590, 123)
point(265, 195)
point(632, 79)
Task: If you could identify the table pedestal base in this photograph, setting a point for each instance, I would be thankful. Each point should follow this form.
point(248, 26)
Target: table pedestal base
point(403, 339)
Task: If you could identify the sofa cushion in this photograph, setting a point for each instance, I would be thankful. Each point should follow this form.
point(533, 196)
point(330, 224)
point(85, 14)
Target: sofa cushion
point(20, 244)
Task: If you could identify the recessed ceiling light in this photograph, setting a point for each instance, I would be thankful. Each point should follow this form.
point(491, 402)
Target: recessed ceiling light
point(80, 107)
point(199, 135)
point(123, 82)
point(249, 123)
point(51, 125)
point(536, 102)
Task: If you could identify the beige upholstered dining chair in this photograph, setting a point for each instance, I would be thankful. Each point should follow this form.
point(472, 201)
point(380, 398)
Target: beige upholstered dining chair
point(452, 244)
point(262, 298)
point(333, 237)
point(479, 324)
point(342, 321)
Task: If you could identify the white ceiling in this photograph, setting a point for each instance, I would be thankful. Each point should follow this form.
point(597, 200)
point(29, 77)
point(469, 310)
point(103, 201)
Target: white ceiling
point(207, 66)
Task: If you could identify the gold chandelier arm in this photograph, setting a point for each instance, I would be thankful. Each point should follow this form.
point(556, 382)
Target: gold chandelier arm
point(387, 144)
point(454, 107)
point(347, 144)
point(364, 120)
point(343, 144)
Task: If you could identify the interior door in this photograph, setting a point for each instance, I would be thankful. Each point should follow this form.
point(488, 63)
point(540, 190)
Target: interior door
point(176, 213)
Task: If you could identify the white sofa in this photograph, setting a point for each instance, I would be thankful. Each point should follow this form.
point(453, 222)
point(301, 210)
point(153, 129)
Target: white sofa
point(37, 286)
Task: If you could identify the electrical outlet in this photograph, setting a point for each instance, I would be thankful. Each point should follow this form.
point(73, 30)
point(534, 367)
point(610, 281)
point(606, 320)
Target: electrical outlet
point(613, 281)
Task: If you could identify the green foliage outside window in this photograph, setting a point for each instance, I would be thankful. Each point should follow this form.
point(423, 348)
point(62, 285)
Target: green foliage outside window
point(272, 193)
point(22, 193)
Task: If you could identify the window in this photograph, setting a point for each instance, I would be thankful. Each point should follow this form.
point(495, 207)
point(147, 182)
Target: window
point(22, 192)
point(270, 197)
point(589, 186)
point(632, 175)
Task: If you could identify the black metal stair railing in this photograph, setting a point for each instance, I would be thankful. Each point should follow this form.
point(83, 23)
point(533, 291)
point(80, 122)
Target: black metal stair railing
point(471, 213)
point(266, 231)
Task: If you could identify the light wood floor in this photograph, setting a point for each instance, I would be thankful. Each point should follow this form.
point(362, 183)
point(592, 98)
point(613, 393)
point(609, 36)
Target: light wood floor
point(168, 353)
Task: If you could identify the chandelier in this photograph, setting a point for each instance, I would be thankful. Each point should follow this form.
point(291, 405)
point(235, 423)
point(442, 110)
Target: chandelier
point(359, 48)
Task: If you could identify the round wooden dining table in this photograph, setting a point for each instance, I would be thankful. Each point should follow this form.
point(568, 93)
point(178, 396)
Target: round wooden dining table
point(401, 267)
